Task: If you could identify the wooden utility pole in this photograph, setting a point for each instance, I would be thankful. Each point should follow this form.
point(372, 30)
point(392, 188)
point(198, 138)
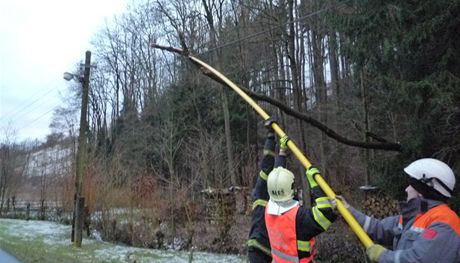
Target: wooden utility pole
point(81, 155)
point(367, 180)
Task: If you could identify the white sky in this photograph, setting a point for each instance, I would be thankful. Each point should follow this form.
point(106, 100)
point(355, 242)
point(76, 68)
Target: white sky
point(39, 41)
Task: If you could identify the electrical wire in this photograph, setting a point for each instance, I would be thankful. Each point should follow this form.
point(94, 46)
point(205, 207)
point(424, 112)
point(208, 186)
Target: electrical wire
point(39, 117)
point(275, 27)
point(15, 113)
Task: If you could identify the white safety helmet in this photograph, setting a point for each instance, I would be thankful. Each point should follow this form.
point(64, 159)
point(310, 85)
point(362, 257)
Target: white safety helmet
point(280, 184)
point(434, 174)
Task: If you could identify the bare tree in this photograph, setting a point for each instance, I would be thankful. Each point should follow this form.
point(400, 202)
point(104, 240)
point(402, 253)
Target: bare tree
point(214, 13)
point(7, 164)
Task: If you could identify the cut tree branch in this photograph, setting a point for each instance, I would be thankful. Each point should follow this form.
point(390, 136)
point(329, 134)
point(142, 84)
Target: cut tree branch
point(381, 145)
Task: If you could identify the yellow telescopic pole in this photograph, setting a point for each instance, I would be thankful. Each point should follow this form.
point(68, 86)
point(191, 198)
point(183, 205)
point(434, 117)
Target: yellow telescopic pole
point(354, 225)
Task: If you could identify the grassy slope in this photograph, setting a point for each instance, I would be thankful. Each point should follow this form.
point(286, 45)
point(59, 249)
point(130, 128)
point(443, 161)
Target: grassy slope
point(38, 241)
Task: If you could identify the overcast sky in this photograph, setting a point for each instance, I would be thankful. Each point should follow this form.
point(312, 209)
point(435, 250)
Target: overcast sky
point(39, 41)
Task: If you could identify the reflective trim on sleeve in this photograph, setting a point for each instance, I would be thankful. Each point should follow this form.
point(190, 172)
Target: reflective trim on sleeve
point(323, 202)
point(417, 229)
point(263, 175)
point(303, 245)
point(320, 218)
point(256, 244)
point(258, 202)
point(269, 152)
point(398, 256)
point(367, 224)
point(285, 256)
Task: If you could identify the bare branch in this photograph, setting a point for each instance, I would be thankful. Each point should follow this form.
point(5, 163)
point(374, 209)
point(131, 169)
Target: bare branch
point(381, 145)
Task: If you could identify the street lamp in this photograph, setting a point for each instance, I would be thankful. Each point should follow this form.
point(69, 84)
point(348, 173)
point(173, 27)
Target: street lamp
point(69, 76)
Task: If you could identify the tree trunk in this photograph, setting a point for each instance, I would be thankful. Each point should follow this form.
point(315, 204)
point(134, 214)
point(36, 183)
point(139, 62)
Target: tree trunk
point(335, 88)
point(321, 93)
point(297, 89)
point(223, 95)
point(367, 152)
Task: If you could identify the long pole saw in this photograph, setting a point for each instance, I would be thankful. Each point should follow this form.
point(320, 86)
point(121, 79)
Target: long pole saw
point(219, 77)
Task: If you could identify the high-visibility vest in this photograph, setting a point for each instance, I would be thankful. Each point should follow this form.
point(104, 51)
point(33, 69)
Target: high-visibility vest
point(283, 238)
point(439, 214)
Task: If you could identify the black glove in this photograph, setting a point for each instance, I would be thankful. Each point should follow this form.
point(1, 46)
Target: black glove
point(268, 125)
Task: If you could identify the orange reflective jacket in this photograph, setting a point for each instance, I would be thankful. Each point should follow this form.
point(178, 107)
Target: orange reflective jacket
point(439, 214)
point(283, 238)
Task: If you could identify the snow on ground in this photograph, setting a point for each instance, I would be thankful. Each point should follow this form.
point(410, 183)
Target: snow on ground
point(56, 238)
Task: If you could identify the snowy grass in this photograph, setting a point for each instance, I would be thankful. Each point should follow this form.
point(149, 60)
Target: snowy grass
point(41, 241)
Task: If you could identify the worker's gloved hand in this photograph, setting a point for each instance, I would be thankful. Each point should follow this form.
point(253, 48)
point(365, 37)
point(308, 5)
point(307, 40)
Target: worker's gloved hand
point(310, 173)
point(268, 125)
point(333, 204)
point(344, 202)
point(375, 251)
point(283, 143)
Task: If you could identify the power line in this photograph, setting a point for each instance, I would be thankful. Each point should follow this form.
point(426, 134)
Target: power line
point(274, 27)
point(30, 123)
point(41, 105)
point(39, 117)
point(15, 113)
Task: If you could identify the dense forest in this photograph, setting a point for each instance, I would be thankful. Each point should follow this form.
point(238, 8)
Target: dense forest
point(363, 88)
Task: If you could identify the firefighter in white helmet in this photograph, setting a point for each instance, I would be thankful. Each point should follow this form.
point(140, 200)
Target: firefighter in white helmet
point(427, 229)
point(291, 228)
point(258, 242)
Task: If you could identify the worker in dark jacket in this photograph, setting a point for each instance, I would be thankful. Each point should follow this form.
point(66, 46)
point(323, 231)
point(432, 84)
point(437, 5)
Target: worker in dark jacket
point(427, 229)
point(292, 228)
point(258, 243)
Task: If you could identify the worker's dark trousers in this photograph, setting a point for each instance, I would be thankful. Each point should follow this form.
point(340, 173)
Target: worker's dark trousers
point(255, 255)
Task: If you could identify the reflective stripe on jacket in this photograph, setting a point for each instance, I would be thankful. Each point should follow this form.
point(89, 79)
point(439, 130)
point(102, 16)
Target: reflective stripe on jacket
point(258, 243)
point(283, 238)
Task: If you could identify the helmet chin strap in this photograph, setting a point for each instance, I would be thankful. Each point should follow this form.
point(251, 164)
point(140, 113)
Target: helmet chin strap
point(427, 181)
point(430, 183)
point(427, 191)
point(424, 205)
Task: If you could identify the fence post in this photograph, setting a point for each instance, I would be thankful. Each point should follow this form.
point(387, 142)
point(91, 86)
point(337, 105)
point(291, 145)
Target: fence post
point(28, 211)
